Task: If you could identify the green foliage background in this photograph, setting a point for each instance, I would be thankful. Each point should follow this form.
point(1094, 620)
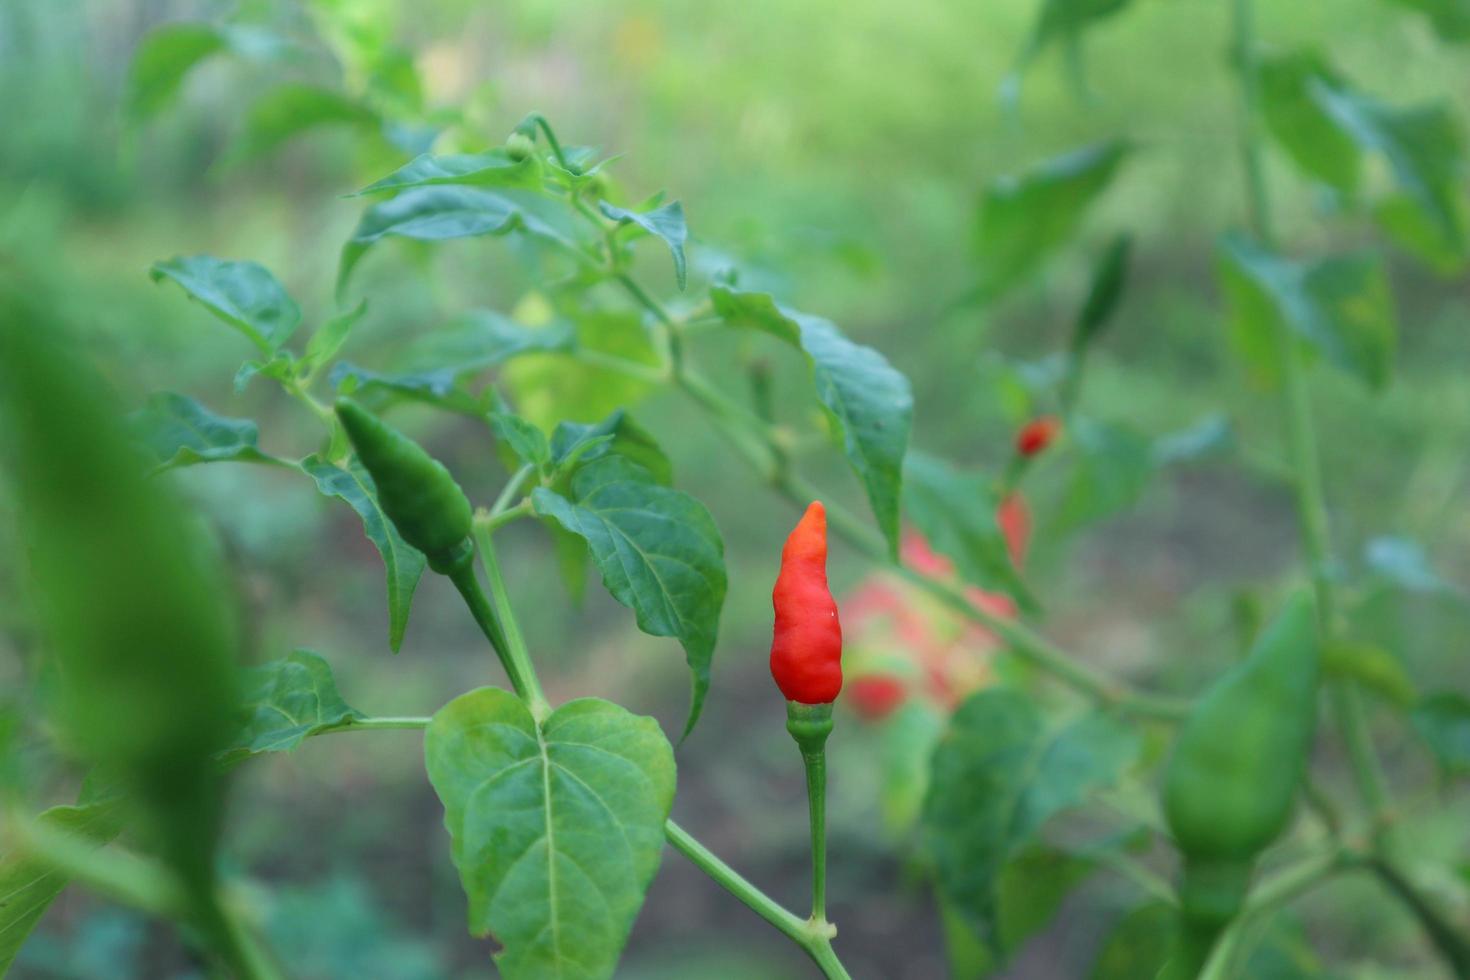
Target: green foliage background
point(841, 149)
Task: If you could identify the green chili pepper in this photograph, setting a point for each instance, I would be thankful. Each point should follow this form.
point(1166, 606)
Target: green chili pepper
point(414, 489)
point(1231, 784)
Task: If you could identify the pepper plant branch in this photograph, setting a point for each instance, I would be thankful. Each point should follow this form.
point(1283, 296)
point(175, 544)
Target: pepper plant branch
point(1451, 945)
point(516, 655)
point(1301, 436)
point(1275, 891)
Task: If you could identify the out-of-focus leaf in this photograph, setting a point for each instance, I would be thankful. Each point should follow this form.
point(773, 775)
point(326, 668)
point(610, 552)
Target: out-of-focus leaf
point(955, 511)
point(574, 444)
point(243, 294)
point(659, 553)
point(28, 887)
point(525, 441)
point(1450, 18)
point(666, 222)
point(432, 214)
point(1024, 218)
point(1113, 467)
point(162, 61)
point(328, 339)
point(1109, 276)
point(997, 776)
point(556, 830)
point(1327, 126)
point(286, 701)
point(181, 432)
point(483, 339)
point(1341, 307)
point(437, 387)
point(550, 390)
point(869, 399)
point(1210, 436)
point(908, 738)
point(131, 600)
point(1402, 562)
point(493, 168)
point(295, 108)
point(1371, 666)
point(1443, 721)
point(403, 562)
point(1139, 944)
point(1283, 952)
point(1022, 389)
point(1301, 123)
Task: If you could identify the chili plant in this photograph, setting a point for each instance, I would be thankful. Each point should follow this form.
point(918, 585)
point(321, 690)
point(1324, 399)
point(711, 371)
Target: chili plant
point(558, 813)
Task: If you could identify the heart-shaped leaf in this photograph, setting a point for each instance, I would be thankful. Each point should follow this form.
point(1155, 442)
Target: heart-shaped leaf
point(659, 553)
point(870, 400)
point(556, 831)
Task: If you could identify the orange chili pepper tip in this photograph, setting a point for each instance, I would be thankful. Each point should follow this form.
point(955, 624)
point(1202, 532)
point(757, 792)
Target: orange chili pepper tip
point(806, 643)
point(1037, 434)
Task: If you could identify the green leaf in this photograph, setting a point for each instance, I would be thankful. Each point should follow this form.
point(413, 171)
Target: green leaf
point(997, 776)
point(550, 390)
point(1402, 562)
point(659, 553)
point(909, 735)
point(1443, 721)
point(294, 108)
point(870, 400)
point(1023, 219)
point(328, 339)
point(556, 831)
point(1283, 952)
point(484, 339)
point(1066, 19)
point(436, 387)
point(666, 222)
point(574, 443)
point(955, 511)
point(181, 432)
point(432, 214)
point(1372, 667)
point(403, 562)
point(1109, 275)
point(1210, 436)
point(1296, 116)
point(1340, 306)
point(161, 62)
point(285, 702)
point(1425, 151)
point(527, 442)
point(1450, 18)
point(1139, 944)
point(28, 886)
point(243, 294)
point(1113, 468)
point(493, 168)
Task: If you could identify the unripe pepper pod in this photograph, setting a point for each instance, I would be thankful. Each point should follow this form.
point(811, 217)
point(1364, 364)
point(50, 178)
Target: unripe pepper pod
point(806, 646)
point(1037, 434)
point(417, 493)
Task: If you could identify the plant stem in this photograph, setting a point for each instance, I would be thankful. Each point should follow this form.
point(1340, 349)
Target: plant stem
point(384, 723)
point(516, 656)
point(1276, 891)
point(816, 941)
point(1452, 947)
point(1311, 503)
point(815, 764)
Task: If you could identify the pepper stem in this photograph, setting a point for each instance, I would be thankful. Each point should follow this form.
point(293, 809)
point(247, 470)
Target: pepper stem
point(810, 724)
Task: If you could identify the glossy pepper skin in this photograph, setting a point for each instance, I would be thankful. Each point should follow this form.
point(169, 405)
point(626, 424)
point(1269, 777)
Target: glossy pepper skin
point(415, 490)
point(806, 646)
point(1037, 434)
point(1231, 783)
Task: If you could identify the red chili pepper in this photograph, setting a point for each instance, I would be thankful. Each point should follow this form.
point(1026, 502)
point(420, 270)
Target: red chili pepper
point(1037, 434)
point(876, 696)
point(1014, 518)
point(806, 646)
